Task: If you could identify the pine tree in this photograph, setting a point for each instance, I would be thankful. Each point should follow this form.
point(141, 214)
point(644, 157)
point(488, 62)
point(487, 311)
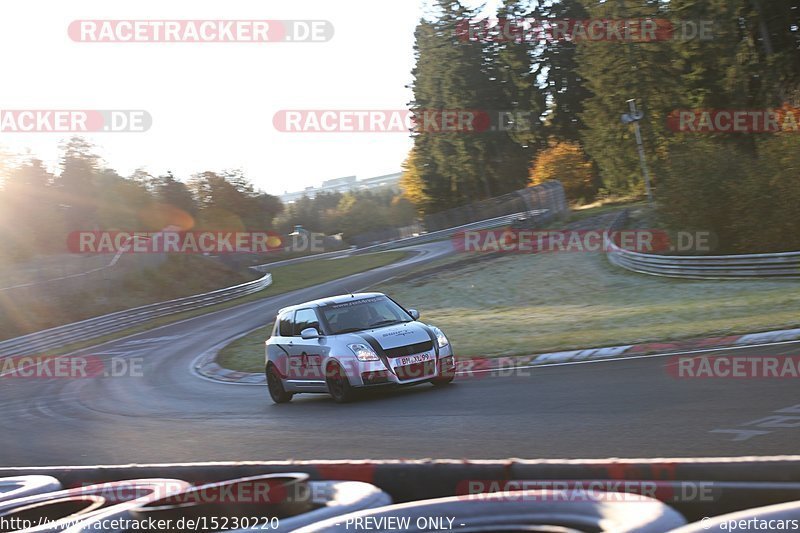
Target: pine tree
point(615, 72)
point(564, 86)
point(455, 167)
point(514, 92)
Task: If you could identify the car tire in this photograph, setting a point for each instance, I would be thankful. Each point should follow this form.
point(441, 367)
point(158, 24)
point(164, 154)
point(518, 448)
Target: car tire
point(442, 382)
point(275, 386)
point(338, 385)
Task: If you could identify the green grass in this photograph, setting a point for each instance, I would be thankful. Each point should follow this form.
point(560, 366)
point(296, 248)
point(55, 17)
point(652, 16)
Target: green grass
point(538, 303)
point(245, 354)
point(284, 279)
point(291, 277)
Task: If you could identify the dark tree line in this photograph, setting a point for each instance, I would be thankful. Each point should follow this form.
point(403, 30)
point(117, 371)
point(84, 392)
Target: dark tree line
point(738, 185)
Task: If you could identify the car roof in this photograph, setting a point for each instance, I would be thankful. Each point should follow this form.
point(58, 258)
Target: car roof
point(331, 300)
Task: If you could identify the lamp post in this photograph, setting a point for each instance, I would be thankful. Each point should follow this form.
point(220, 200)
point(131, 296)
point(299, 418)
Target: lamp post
point(633, 118)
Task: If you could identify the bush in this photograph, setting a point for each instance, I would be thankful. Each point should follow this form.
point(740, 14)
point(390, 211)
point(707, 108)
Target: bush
point(566, 161)
point(764, 208)
point(749, 202)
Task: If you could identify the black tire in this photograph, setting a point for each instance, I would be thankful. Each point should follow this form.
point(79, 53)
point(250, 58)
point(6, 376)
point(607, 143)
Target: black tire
point(338, 385)
point(442, 382)
point(275, 386)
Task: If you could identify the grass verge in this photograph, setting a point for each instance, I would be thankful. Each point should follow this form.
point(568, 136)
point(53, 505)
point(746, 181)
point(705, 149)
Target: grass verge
point(548, 302)
point(245, 354)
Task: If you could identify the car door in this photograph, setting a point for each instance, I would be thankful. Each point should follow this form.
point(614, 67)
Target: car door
point(281, 342)
point(306, 355)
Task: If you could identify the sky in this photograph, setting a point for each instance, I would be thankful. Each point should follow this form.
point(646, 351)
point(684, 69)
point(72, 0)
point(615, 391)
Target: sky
point(212, 104)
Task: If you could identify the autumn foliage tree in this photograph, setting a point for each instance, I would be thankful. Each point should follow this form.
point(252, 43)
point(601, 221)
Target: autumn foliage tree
point(411, 183)
point(566, 161)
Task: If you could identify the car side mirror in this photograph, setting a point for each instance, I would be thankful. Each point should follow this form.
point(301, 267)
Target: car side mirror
point(414, 314)
point(310, 333)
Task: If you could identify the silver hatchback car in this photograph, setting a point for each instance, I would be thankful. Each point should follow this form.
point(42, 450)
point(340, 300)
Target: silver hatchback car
point(354, 341)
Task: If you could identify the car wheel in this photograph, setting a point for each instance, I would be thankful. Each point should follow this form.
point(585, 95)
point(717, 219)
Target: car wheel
point(442, 381)
point(338, 385)
point(275, 386)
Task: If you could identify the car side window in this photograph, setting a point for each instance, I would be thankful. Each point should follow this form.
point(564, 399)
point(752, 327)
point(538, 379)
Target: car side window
point(285, 325)
point(305, 318)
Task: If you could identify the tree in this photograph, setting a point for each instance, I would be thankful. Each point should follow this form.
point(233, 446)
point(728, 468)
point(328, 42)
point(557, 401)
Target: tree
point(411, 183)
point(566, 161)
point(401, 212)
point(76, 184)
point(120, 203)
point(514, 93)
point(229, 201)
point(563, 85)
point(449, 74)
point(168, 190)
point(30, 219)
point(615, 72)
point(360, 213)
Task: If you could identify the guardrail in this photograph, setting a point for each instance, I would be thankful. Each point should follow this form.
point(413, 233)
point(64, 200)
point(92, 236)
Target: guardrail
point(540, 215)
point(746, 266)
point(103, 325)
point(546, 202)
point(310, 257)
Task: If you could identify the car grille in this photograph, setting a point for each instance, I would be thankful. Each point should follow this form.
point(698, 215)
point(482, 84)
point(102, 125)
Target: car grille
point(415, 370)
point(411, 349)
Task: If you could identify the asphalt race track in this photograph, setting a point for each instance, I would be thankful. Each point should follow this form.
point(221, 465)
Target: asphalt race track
point(621, 408)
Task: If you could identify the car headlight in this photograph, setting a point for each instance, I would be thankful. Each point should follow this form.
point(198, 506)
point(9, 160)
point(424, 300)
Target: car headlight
point(441, 339)
point(363, 352)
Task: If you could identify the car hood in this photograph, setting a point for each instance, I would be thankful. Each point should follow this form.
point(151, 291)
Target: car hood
point(396, 335)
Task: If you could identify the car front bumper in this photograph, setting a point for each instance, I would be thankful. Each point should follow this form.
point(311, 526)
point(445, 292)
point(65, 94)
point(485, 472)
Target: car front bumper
point(376, 373)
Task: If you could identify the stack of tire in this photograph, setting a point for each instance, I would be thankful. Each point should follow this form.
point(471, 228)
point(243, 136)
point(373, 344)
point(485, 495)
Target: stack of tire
point(293, 502)
point(540, 510)
point(277, 502)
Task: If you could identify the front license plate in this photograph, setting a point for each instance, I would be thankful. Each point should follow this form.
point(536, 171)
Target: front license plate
point(411, 359)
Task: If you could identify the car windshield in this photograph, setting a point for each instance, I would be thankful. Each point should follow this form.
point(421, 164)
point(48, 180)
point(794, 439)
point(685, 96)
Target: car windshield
point(364, 313)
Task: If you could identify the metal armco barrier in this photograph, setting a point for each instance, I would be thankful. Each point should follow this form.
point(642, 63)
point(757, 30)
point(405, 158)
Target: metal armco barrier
point(541, 203)
point(97, 327)
point(540, 216)
point(547, 197)
point(785, 265)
